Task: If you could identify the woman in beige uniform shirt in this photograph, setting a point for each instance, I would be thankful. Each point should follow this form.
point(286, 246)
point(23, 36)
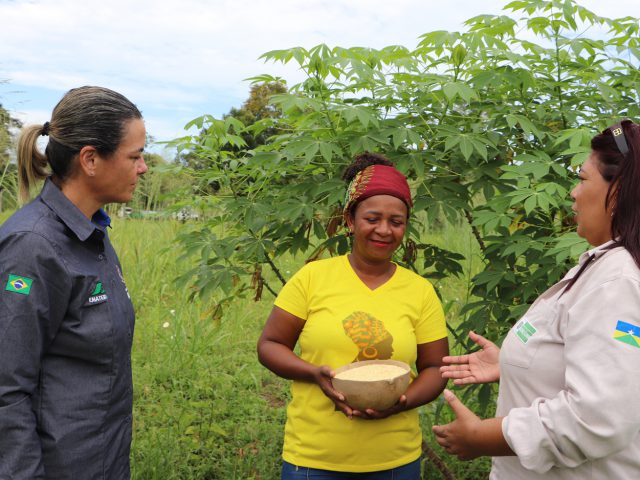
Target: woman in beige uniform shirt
point(568, 370)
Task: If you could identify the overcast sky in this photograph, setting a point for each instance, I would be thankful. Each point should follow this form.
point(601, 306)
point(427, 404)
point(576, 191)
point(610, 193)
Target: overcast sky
point(178, 59)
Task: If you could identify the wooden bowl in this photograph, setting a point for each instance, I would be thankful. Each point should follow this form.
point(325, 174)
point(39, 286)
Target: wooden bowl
point(371, 384)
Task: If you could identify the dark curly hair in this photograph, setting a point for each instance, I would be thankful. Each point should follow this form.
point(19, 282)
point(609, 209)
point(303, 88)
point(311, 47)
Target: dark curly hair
point(362, 161)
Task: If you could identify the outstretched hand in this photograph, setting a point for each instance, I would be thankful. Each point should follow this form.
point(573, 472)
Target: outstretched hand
point(457, 437)
point(478, 367)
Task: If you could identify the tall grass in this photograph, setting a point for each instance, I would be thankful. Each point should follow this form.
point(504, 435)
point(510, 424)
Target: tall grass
point(204, 408)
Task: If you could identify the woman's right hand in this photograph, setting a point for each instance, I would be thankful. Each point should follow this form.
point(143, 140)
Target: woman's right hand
point(323, 376)
point(478, 367)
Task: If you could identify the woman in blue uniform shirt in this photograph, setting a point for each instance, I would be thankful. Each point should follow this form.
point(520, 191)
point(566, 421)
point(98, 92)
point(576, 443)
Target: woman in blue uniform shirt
point(66, 319)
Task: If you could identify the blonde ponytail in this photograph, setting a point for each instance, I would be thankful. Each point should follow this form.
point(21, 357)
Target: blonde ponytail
point(32, 164)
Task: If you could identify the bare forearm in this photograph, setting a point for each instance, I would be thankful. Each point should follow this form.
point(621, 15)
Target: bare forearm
point(488, 439)
point(425, 388)
point(283, 362)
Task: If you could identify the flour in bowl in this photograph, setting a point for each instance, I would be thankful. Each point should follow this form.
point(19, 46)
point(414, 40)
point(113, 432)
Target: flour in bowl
point(369, 373)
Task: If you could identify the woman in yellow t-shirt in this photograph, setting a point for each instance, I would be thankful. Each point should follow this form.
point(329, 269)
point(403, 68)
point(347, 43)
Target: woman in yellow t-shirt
point(359, 306)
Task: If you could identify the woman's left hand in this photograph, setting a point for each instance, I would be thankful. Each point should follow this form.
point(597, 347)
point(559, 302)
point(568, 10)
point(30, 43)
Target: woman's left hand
point(457, 437)
point(371, 414)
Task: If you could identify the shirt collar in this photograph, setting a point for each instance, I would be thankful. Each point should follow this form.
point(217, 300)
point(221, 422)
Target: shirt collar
point(70, 215)
point(101, 218)
point(598, 251)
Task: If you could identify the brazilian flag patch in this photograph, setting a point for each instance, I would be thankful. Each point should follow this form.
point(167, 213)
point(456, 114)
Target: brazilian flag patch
point(19, 284)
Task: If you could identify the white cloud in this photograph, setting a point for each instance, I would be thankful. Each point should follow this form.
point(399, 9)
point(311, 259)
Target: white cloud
point(33, 116)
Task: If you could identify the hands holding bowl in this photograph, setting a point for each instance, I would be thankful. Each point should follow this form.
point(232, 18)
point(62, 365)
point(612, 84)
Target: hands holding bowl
point(370, 389)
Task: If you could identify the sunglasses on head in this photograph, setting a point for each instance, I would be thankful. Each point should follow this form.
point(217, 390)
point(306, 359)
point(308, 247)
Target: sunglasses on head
point(618, 136)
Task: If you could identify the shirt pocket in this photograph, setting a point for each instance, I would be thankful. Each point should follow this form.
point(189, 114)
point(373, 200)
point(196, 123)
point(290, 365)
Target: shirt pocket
point(525, 337)
point(89, 330)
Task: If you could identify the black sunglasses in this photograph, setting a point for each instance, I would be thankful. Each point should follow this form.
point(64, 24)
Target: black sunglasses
point(618, 136)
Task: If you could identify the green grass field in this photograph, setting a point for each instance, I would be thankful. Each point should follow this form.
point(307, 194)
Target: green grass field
point(204, 407)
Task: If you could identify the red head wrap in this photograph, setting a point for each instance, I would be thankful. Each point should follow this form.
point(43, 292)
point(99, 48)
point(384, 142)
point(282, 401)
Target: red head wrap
point(377, 180)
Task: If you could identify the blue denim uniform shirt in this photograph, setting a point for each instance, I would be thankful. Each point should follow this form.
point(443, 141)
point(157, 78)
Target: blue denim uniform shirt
point(66, 327)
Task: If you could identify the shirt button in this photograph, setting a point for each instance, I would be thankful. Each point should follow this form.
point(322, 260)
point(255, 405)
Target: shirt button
point(100, 257)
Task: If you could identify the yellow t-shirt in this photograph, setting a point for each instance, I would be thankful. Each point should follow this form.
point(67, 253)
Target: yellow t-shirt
point(345, 321)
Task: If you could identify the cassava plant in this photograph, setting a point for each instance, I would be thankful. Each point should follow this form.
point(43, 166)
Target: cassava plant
point(489, 125)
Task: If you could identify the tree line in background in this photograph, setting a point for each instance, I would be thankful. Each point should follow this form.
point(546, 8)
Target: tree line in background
point(162, 187)
point(489, 124)
point(168, 186)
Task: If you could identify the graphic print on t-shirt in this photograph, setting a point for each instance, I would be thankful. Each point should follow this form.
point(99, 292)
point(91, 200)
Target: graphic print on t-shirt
point(373, 340)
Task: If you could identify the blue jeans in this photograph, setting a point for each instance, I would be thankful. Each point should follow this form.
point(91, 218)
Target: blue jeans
point(410, 471)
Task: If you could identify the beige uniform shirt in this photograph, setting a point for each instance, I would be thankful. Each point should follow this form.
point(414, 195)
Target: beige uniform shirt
point(570, 378)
